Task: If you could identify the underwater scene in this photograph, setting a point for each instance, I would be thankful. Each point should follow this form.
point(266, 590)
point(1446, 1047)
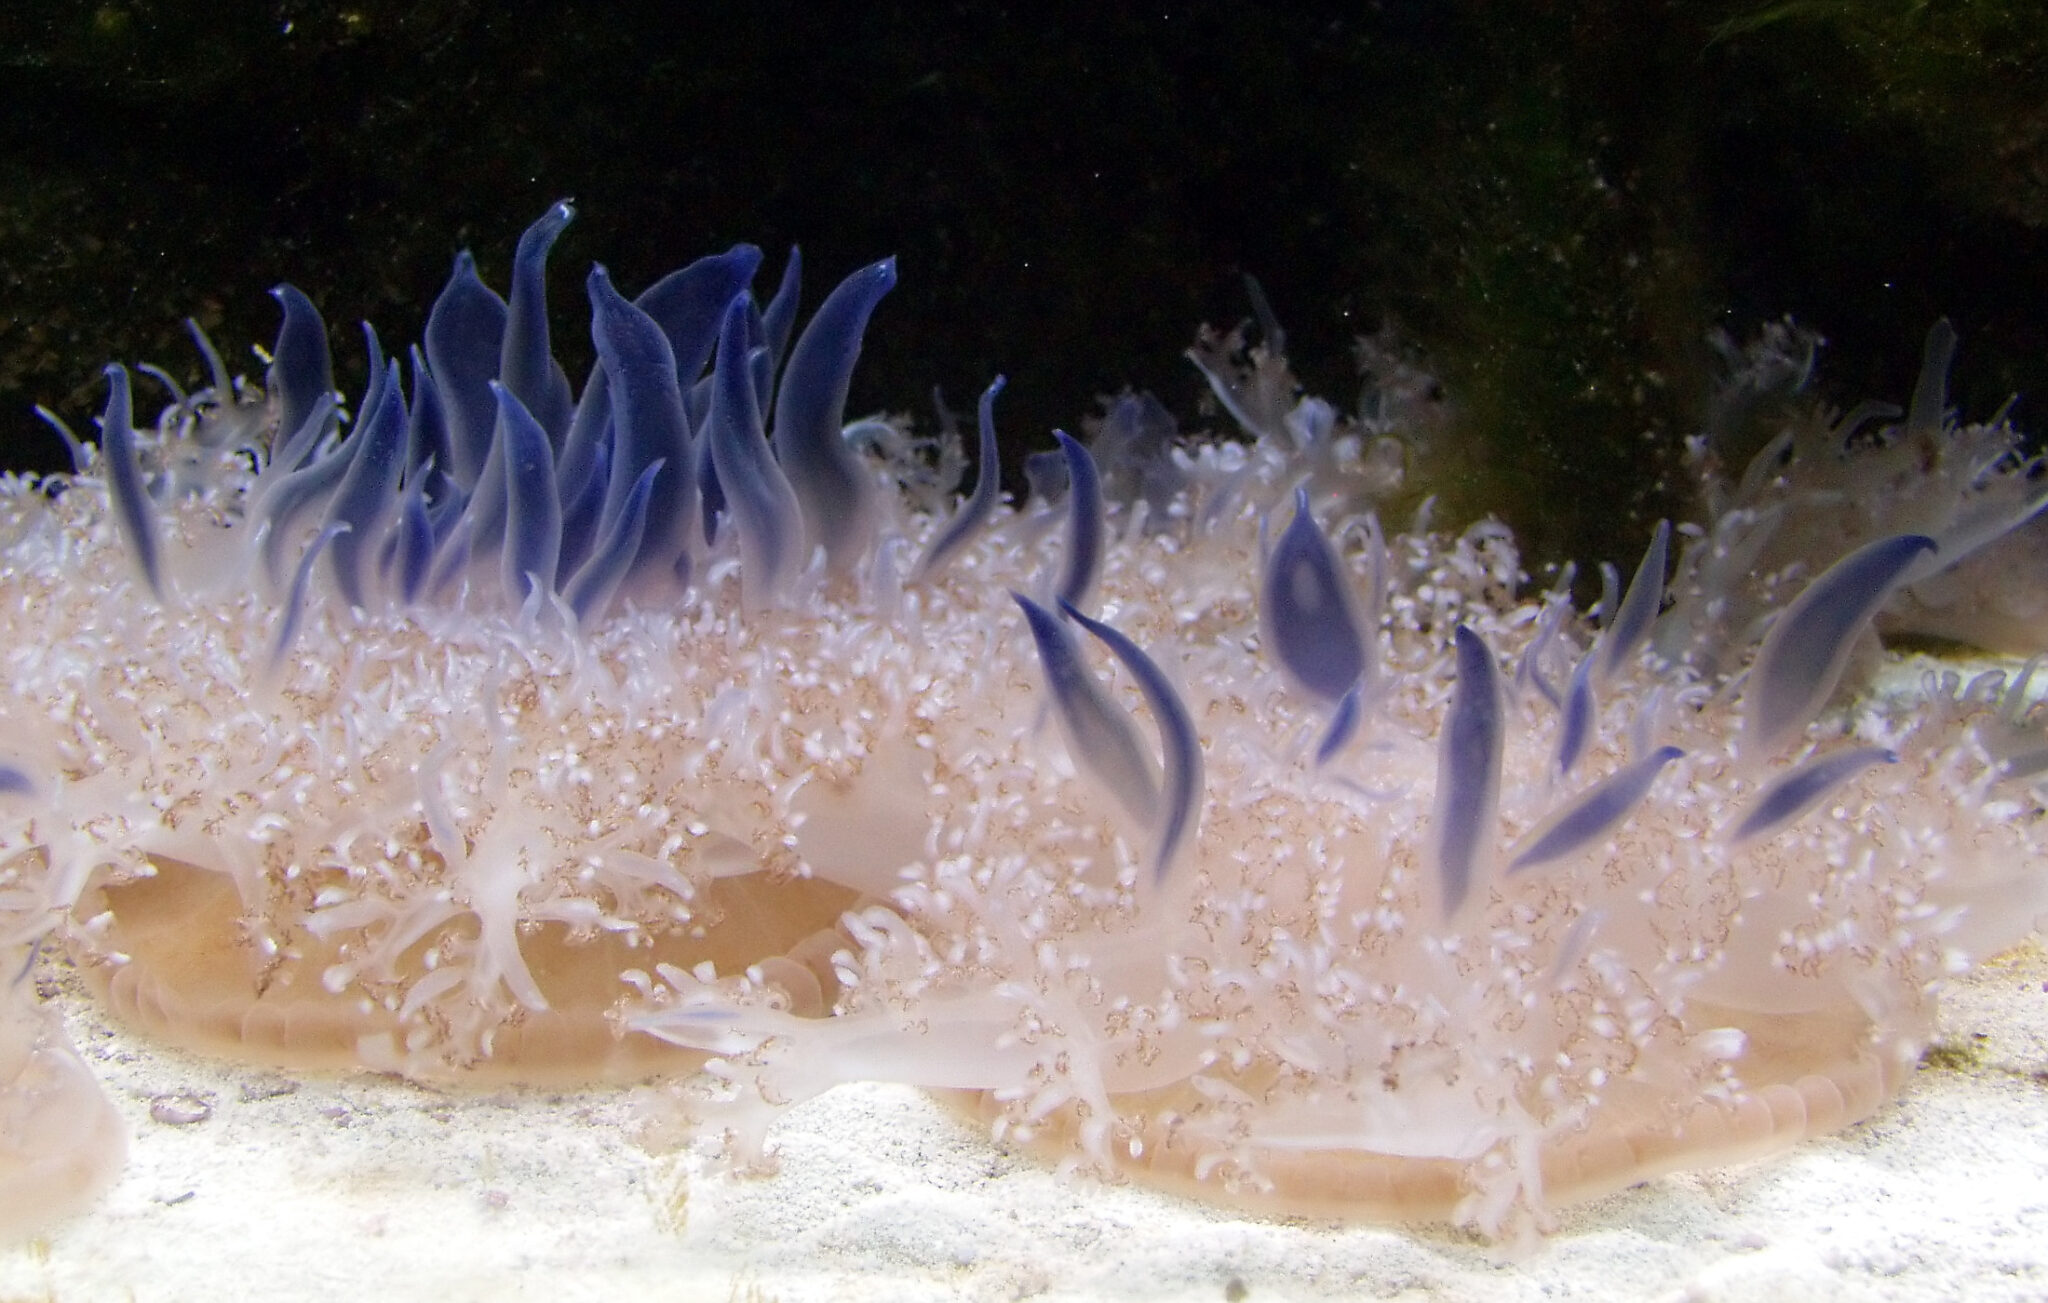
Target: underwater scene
point(1240, 652)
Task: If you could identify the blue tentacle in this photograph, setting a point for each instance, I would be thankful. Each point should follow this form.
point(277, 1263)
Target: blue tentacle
point(465, 339)
point(1100, 735)
point(1468, 773)
point(981, 504)
point(1180, 744)
point(367, 493)
point(533, 514)
point(1308, 615)
point(1601, 808)
point(1803, 655)
point(1631, 623)
point(591, 589)
point(526, 363)
point(1084, 524)
point(648, 424)
point(763, 505)
point(832, 486)
point(1803, 788)
point(133, 511)
point(301, 371)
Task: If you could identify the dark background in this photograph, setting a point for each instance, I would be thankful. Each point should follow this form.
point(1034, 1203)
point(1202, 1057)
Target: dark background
point(1554, 202)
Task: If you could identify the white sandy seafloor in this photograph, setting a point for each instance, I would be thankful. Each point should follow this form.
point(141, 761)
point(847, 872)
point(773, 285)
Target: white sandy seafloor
point(308, 1188)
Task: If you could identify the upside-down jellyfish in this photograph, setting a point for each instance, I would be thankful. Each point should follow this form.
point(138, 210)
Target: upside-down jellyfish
point(1187, 821)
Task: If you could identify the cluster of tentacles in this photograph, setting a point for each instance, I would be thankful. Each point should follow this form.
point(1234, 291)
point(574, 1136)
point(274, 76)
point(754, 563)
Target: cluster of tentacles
point(491, 724)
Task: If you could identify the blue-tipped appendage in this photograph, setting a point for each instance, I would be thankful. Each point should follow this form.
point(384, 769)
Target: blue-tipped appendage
point(1102, 739)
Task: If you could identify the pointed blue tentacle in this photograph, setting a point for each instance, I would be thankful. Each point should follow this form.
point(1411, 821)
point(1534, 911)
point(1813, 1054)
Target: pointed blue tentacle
point(306, 444)
point(301, 372)
point(980, 505)
point(1180, 745)
point(295, 601)
point(590, 590)
point(300, 491)
point(368, 491)
point(489, 500)
point(413, 555)
point(15, 781)
point(1576, 715)
point(1100, 736)
point(833, 488)
point(533, 514)
point(373, 389)
point(1603, 806)
point(778, 319)
point(648, 424)
point(526, 363)
point(465, 339)
point(583, 511)
point(427, 428)
point(1803, 788)
point(589, 429)
point(1805, 651)
point(1307, 613)
point(764, 506)
point(1468, 773)
point(689, 306)
point(1631, 624)
point(133, 511)
point(1084, 525)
